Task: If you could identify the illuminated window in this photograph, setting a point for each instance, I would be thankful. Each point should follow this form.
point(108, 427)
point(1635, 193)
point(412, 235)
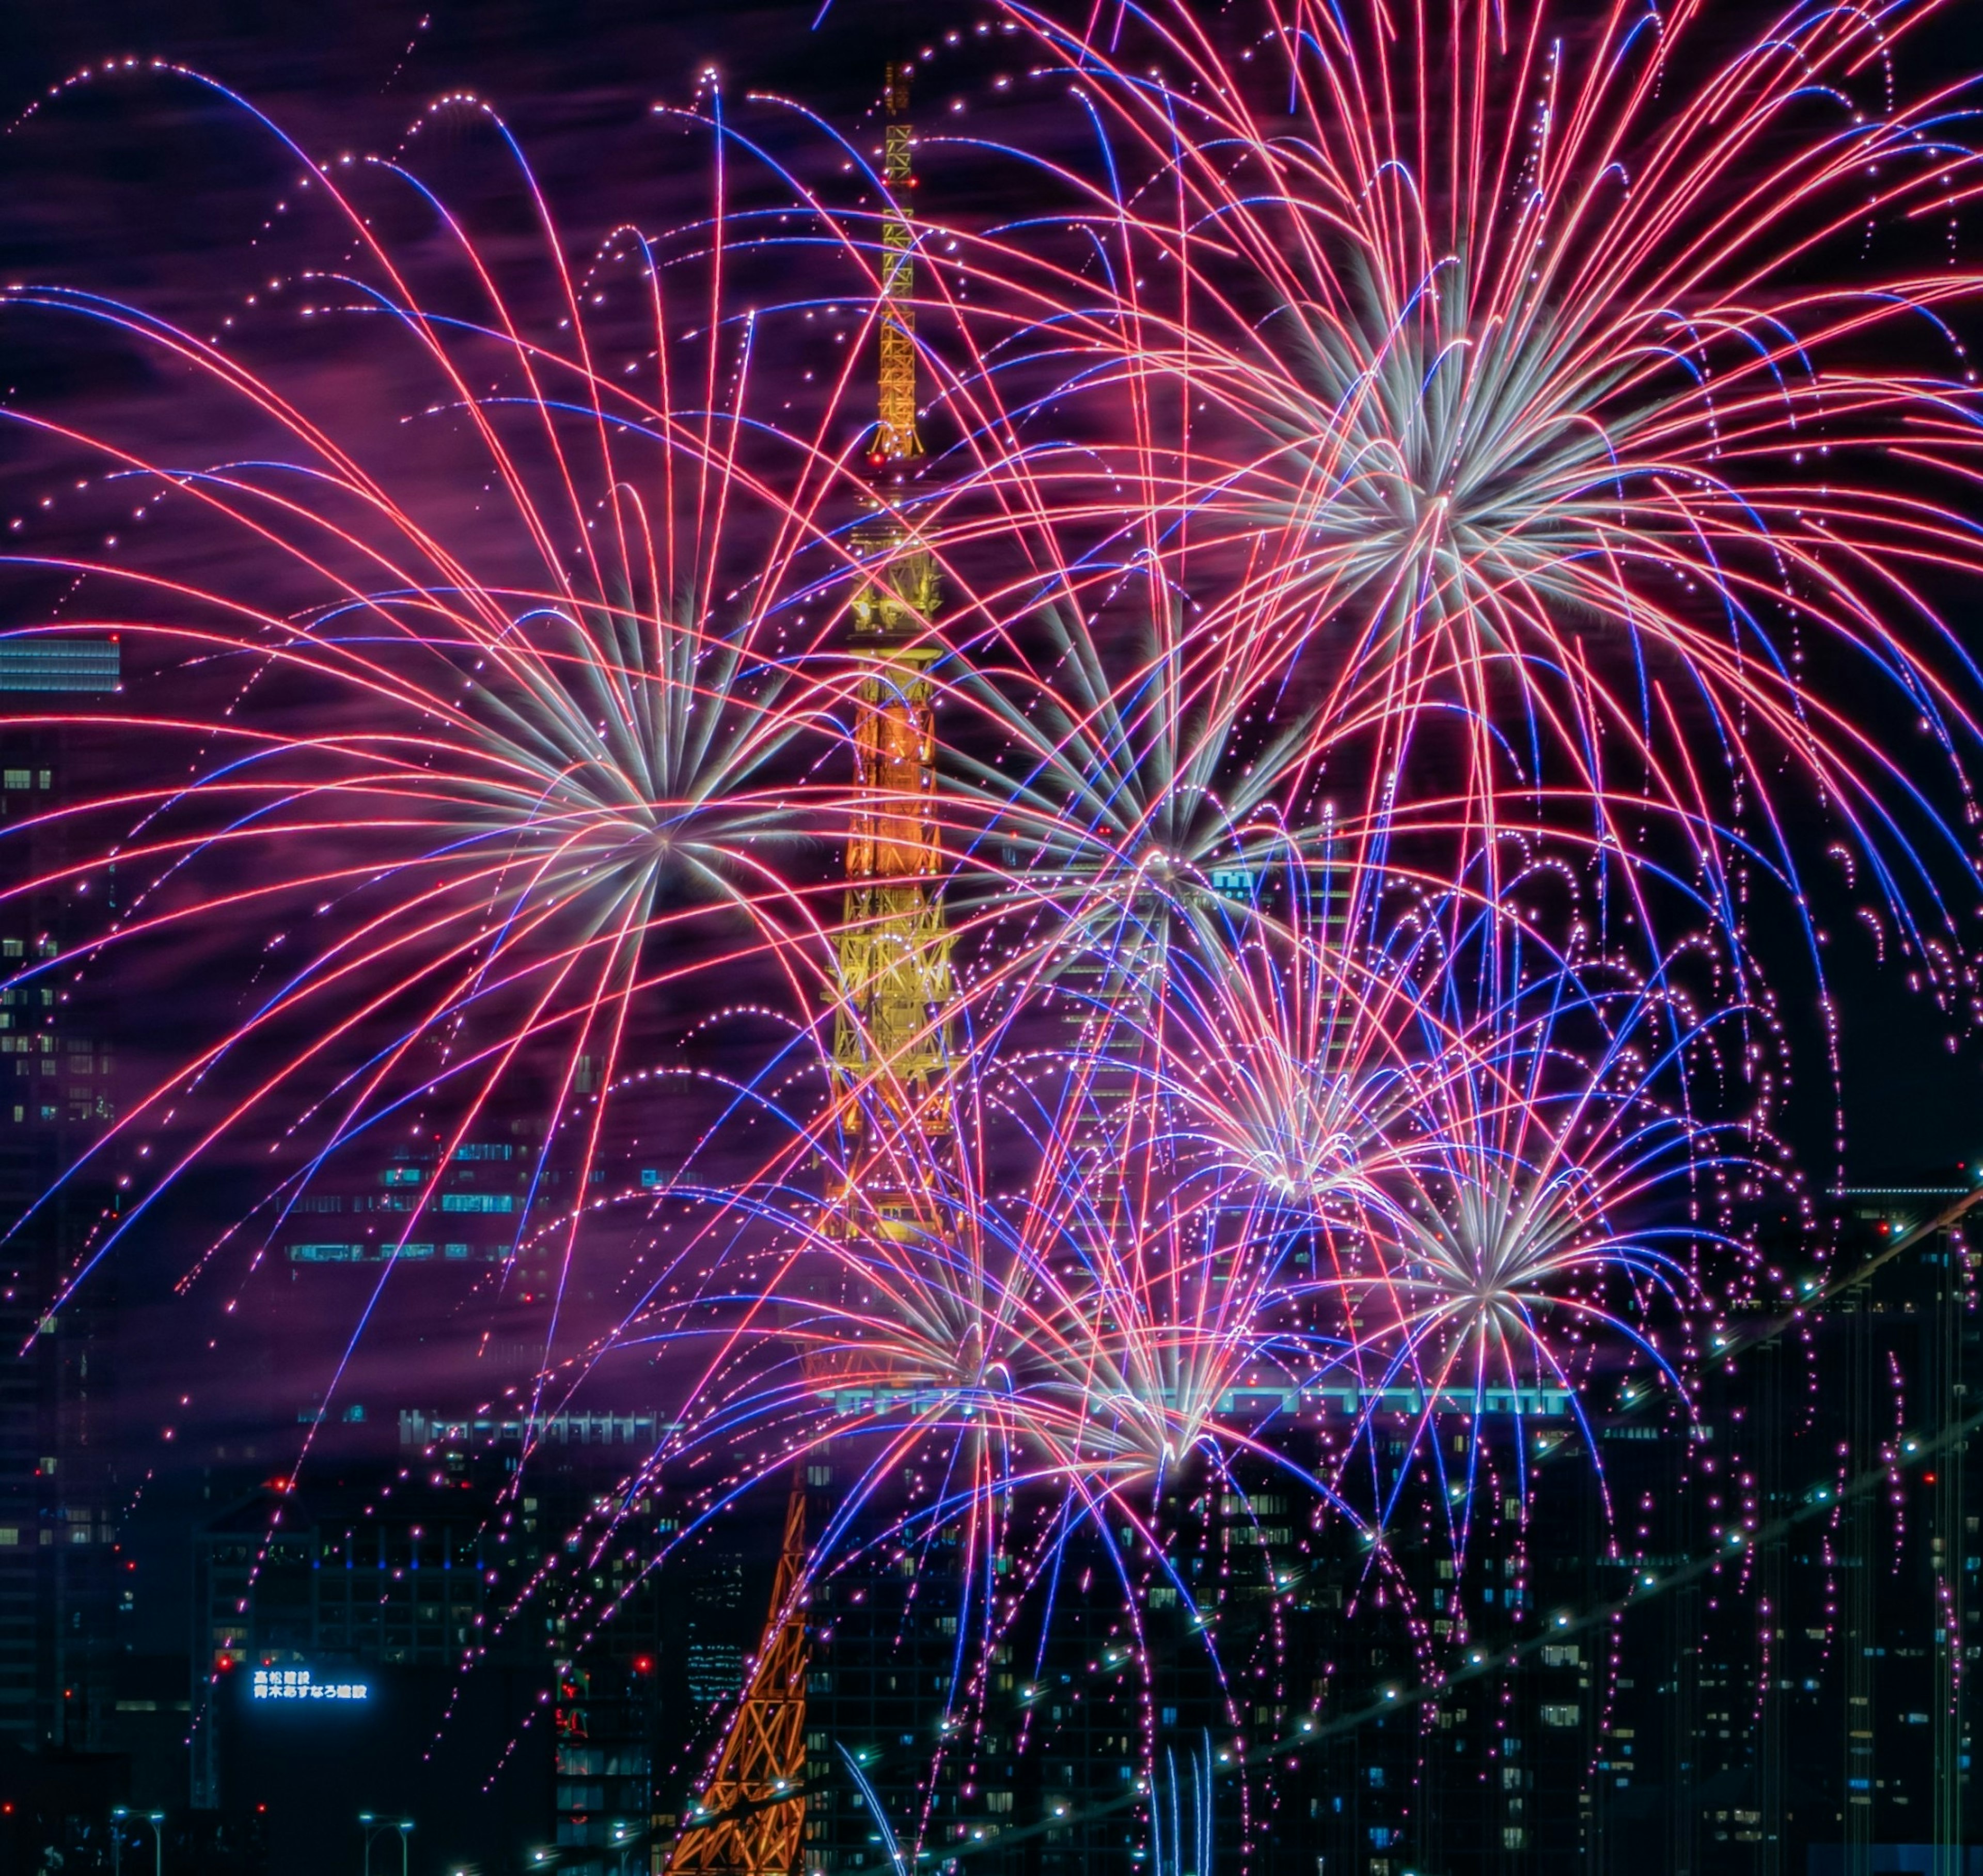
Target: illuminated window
point(477, 1201)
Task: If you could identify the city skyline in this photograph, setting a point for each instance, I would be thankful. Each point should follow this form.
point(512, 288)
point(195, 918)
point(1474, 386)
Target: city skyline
point(1044, 940)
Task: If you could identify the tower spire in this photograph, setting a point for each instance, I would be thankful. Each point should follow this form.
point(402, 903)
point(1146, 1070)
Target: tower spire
point(895, 437)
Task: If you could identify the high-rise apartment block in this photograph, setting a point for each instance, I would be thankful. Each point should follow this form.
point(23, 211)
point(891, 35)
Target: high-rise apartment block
point(59, 1591)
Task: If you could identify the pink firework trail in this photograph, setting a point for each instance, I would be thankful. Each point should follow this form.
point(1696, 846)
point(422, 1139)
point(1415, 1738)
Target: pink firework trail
point(1434, 509)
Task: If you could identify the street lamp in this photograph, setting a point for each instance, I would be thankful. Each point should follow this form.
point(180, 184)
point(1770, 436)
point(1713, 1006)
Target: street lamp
point(155, 1819)
point(624, 1837)
point(377, 1827)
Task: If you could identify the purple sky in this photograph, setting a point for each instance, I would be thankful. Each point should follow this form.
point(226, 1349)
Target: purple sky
point(145, 189)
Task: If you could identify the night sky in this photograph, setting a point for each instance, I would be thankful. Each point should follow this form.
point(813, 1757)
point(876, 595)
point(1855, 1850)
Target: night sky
point(139, 187)
point(142, 188)
point(147, 190)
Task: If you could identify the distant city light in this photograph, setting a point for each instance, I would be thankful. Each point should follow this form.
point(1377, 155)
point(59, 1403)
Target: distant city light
point(295, 1683)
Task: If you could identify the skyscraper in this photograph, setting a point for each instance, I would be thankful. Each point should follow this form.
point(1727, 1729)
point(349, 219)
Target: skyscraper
point(58, 1586)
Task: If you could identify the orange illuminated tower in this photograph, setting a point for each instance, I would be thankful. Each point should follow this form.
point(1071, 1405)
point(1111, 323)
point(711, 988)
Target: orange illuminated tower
point(890, 1044)
point(891, 1040)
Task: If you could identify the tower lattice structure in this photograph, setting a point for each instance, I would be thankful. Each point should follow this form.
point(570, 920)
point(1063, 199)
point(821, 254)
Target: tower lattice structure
point(751, 1817)
point(890, 1045)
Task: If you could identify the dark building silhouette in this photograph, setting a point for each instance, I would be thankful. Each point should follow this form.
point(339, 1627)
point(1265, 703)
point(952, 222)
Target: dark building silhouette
point(58, 1588)
point(1734, 1642)
point(407, 1622)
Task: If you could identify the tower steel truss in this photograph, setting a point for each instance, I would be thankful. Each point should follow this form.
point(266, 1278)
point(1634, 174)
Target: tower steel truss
point(889, 1045)
point(751, 1828)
